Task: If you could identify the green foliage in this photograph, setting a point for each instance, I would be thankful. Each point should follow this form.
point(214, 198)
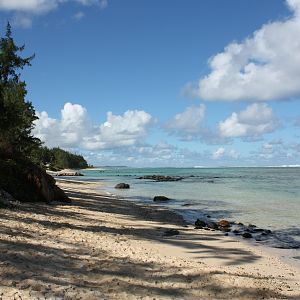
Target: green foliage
point(57, 159)
point(16, 114)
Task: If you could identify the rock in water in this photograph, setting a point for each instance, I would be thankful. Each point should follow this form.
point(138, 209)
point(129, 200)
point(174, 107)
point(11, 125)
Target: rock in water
point(122, 186)
point(212, 225)
point(160, 198)
point(224, 224)
point(161, 178)
point(247, 235)
point(200, 224)
point(68, 172)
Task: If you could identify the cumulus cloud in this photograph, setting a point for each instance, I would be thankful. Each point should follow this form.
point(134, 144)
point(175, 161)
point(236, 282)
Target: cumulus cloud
point(253, 122)
point(75, 130)
point(222, 152)
point(188, 121)
point(36, 6)
point(188, 125)
point(265, 66)
point(218, 153)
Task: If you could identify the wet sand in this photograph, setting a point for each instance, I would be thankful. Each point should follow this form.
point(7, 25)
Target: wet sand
point(103, 247)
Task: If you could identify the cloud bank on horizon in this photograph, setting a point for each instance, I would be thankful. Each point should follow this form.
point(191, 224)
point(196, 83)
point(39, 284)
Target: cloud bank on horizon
point(264, 67)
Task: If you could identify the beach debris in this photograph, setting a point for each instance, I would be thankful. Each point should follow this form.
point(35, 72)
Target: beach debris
point(199, 224)
point(171, 232)
point(247, 235)
point(160, 198)
point(122, 185)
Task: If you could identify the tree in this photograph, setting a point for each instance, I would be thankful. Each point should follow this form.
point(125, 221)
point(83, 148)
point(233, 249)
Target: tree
point(16, 114)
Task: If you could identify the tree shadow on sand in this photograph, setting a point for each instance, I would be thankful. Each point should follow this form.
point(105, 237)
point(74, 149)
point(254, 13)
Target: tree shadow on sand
point(72, 269)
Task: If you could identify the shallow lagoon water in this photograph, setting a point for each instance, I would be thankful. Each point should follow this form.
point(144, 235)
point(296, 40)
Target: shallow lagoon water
point(266, 197)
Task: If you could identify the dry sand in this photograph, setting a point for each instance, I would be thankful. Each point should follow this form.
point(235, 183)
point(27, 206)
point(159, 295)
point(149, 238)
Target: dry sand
point(102, 247)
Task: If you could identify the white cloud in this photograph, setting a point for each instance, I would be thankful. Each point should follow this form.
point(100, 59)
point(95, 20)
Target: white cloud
point(188, 124)
point(120, 131)
point(25, 10)
point(265, 66)
point(222, 152)
point(257, 119)
point(75, 130)
point(101, 3)
point(218, 153)
point(79, 15)
point(22, 20)
point(33, 6)
point(43, 6)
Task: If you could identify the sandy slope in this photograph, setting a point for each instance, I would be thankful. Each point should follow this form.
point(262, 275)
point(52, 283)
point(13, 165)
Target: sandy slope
point(101, 247)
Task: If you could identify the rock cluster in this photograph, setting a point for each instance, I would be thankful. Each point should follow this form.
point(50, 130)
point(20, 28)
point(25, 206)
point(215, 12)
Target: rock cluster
point(160, 198)
point(122, 186)
point(246, 232)
point(68, 173)
point(160, 178)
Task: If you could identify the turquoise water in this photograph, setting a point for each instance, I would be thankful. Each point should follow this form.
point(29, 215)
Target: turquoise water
point(267, 196)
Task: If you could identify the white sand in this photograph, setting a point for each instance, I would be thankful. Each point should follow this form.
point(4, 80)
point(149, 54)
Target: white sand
point(101, 247)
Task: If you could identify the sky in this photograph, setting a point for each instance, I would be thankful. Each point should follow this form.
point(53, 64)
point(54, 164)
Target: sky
point(149, 83)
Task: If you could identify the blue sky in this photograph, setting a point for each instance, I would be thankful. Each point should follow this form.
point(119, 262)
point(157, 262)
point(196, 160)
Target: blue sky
point(164, 83)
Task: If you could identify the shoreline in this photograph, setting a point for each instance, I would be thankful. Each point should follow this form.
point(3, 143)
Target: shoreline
point(101, 246)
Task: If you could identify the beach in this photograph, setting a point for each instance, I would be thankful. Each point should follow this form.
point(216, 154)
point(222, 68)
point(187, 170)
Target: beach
point(103, 247)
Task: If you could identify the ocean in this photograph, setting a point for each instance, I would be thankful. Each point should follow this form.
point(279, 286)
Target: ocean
point(266, 197)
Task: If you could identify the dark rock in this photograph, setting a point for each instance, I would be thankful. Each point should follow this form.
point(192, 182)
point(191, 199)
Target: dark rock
point(68, 173)
point(160, 178)
point(171, 232)
point(236, 232)
point(212, 225)
point(224, 223)
point(160, 198)
point(247, 235)
point(266, 232)
point(226, 234)
point(251, 226)
point(122, 186)
point(208, 216)
point(240, 224)
point(225, 229)
point(200, 224)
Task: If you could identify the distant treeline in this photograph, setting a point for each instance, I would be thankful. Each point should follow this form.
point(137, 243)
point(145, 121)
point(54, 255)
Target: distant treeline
point(57, 159)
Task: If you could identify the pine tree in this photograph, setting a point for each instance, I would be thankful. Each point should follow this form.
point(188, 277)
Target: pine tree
point(16, 114)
